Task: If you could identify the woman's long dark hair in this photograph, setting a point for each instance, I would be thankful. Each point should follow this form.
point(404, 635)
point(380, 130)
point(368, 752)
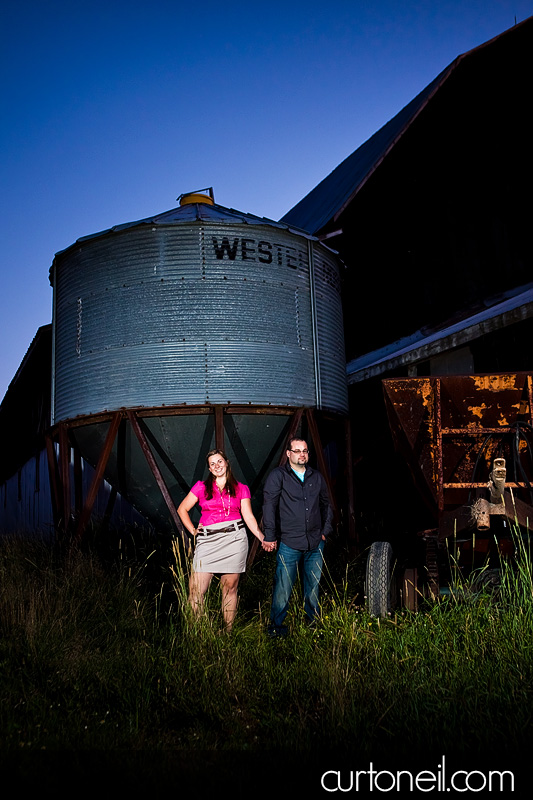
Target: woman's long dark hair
point(231, 483)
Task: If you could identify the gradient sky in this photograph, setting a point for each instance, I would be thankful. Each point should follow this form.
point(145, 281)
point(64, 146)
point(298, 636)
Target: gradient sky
point(113, 109)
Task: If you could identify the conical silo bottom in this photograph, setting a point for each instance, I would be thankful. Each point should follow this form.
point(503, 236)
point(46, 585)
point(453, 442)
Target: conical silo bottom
point(179, 442)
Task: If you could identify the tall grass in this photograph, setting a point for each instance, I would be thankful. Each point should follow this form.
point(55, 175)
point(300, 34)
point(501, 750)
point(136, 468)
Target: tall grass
point(100, 656)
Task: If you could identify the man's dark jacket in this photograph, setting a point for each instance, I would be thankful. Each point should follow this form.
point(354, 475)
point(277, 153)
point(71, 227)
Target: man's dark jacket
point(298, 510)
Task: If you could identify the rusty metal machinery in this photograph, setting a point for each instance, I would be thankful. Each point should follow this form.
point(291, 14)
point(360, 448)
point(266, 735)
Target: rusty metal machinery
point(468, 443)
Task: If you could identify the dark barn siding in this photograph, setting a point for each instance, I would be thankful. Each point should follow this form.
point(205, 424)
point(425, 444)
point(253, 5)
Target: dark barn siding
point(440, 217)
point(446, 220)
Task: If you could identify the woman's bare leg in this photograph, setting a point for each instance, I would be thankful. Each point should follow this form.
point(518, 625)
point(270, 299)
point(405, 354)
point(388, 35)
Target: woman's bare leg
point(198, 586)
point(229, 584)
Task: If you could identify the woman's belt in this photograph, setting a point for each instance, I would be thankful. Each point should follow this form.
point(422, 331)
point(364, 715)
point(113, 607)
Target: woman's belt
point(237, 524)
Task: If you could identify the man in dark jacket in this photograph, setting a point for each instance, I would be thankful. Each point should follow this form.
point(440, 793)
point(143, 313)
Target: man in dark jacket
point(296, 506)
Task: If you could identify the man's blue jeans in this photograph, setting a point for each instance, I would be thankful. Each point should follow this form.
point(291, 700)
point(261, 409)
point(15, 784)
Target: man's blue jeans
point(287, 562)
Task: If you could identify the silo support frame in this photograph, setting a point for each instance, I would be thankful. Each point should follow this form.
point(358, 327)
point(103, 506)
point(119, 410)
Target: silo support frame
point(60, 482)
point(66, 473)
point(60, 478)
point(145, 447)
point(293, 430)
point(98, 476)
point(312, 425)
point(322, 466)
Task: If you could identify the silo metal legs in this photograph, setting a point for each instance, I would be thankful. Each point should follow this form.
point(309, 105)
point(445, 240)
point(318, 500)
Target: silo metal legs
point(145, 447)
point(98, 476)
point(109, 435)
point(60, 478)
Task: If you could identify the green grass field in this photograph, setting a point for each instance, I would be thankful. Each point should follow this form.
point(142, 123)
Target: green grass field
point(101, 655)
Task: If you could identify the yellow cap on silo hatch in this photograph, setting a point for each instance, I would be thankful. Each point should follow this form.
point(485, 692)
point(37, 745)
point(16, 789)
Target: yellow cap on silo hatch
point(197, 196)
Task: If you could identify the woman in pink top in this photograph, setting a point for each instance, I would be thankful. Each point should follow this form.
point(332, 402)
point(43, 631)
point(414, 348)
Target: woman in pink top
point(221, 538)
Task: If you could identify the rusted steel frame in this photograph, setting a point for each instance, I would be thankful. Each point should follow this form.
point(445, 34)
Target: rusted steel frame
point(121, 457)
point(219, 427)
point(455, 522)
point(518, 511)
point(295, 424)
point(438, 434)
point(483, 510)
point(466, 432)
point(162, 411)
point(281, 441)
point(530, 397)
point(158, 450)
point(78, 485)
point(482, 485)
point(464, 518)
point(315, 436)
point(171, 411)
point(98, 476)
point(293, 428)
point(80, 422)
point(53, 472)
point(274, 410)
point(152, 463)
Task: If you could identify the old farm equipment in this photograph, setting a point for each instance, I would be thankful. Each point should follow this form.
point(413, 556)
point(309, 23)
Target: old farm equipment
point(468, 444)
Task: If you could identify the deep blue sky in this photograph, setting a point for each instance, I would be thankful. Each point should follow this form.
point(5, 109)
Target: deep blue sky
point(110, 110)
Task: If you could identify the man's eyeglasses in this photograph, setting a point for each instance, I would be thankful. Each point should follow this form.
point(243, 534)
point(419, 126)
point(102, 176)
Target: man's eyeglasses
point(305, 452)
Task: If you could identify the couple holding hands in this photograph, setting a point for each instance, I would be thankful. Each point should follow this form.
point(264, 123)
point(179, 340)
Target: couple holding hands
point(297, 518)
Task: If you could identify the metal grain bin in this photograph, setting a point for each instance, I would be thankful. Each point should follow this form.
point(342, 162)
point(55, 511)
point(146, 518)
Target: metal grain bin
point(201, 304)
point(201, 327)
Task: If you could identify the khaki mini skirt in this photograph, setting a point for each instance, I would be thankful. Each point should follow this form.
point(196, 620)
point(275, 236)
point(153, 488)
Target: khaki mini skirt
point(223, 552)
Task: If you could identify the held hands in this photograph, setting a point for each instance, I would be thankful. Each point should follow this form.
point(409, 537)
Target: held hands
point(268, 546)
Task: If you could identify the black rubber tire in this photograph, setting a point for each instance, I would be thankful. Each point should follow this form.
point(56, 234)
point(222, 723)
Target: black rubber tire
point(378, 579)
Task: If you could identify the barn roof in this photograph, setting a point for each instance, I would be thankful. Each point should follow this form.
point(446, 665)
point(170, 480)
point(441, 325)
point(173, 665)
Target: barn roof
point(326, 202)
point(511, 307)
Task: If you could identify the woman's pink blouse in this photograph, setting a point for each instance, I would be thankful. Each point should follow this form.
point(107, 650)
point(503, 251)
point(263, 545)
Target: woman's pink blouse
point(215, 510)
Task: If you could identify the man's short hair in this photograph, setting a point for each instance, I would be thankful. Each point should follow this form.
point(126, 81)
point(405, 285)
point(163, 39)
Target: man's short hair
point(294, 439)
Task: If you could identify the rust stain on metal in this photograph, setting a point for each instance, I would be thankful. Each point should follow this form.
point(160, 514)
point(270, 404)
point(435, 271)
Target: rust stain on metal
point(477, 411)
point(430, 394)
point(494, 383)
point(523, 407)
point(426, 392)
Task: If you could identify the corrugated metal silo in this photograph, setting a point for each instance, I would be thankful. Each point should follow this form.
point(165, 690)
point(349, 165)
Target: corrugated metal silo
point(178, 315)
point(198, 305)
